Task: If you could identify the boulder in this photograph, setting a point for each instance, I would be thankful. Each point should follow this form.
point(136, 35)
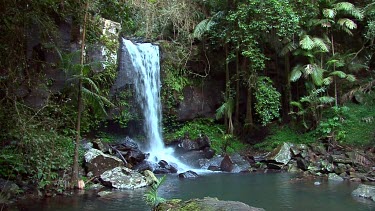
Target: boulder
point(97, 162)
point(281, 154)
point(365, 191)
point(227, 164)
point(134, 156)
point(150, 177)
point(165, 168)
point(206, 163)
point(203, 142)
point(145, 165)
point(335, 177)
point(123, 178)
point(240, 164)
point(205, 204)
point(188, 174)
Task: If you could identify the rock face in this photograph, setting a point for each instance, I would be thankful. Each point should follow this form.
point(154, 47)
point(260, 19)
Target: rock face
point(206, 204)
point(365, 191)
point(124, 178)
point(97, 162)
point(200, 102)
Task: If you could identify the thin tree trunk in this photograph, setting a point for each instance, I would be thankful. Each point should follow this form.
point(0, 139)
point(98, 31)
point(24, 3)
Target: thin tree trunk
point(237, 103)
point(334, 69)
point(287, 90)
point(74, 179)
point(249, 123)
point(226, 84)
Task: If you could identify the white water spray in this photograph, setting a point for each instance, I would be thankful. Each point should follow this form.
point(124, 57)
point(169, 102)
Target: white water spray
point(146, 64)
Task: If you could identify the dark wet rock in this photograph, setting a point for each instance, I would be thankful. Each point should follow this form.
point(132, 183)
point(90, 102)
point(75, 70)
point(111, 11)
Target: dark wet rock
point(227, 164)
point(240, 164)
point(302, 163)
point(203, 142)
point(188, 174)
point(206, 204)
point(127, 144)
point(281, 154)
point(123, 178)
point(134, 156)
point(97, 162)
point(365, 191)
point(189, 145)
point(214, 168)
point(145, 165)
point(342, 158)
point(275, 166)
point(208, 152)
point(165, 168)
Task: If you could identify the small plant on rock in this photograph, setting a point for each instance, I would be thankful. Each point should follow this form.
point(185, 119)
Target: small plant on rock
point(151, 196)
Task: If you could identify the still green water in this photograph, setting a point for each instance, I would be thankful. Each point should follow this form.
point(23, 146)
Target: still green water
point(276, 191)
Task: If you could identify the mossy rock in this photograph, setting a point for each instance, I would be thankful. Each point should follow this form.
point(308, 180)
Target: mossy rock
point(205, 204)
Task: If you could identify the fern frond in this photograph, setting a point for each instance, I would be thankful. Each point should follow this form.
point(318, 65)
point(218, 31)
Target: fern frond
point(202, 27)
point(296, 104)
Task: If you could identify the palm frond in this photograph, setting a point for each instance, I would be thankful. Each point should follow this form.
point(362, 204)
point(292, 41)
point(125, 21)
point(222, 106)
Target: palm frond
point(321, 44)
point(329, 13)
point(202, 27)
point(349, 8)
point(338, 73)
point(296, 73)
point(351, 77)
point(327, 81)
point(290, 47)
point(95, 100)
point(306, 42)
point(317, 75)
point(347, 23)
point(296, 104)
point(326, 99)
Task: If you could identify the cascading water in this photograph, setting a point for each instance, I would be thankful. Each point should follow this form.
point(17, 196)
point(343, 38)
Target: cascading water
point(146, 65)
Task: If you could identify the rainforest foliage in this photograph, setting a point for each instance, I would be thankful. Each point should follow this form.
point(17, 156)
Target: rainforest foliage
point(291, 70)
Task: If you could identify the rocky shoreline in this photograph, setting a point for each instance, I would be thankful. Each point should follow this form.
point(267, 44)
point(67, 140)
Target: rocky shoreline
point(124, 166)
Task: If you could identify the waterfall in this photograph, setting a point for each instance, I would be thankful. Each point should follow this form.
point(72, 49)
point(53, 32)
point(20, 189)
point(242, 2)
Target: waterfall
point(145, 63)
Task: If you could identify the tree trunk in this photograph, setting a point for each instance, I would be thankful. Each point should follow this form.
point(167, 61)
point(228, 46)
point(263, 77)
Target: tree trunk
point(287, 90)
point(237, 103)
point(74, 179)
point(249, 122)
point(227, 85)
